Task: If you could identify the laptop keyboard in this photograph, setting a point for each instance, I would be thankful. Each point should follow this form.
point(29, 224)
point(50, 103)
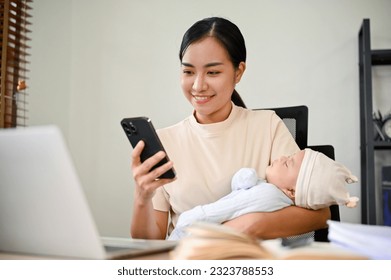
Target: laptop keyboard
point(111, 249)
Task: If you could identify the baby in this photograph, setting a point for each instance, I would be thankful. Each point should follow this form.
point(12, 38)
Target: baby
point(307, 179)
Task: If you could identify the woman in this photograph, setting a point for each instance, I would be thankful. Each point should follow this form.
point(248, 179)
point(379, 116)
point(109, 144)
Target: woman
point(209, 146)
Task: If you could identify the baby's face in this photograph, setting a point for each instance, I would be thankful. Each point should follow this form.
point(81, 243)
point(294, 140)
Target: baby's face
point(283, 172)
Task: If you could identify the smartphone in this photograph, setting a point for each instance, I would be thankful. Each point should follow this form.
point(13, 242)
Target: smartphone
point(141, 128)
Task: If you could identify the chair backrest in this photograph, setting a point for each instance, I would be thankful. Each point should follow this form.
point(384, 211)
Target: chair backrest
point(296, 119)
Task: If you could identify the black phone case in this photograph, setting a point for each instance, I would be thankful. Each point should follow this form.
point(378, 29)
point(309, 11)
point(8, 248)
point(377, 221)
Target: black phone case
point(141, 128)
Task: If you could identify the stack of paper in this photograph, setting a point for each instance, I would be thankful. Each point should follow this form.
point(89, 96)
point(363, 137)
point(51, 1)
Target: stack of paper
point(368, 240)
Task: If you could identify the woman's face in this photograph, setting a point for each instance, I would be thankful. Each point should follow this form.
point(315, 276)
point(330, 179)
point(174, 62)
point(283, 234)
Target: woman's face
point(208, 79)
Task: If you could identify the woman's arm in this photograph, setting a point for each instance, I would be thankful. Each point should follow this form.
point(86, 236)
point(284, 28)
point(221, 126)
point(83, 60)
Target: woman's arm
point(288, 221)
point(146, 222)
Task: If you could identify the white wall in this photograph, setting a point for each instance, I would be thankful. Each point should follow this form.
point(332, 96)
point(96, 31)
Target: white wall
point(95, 62)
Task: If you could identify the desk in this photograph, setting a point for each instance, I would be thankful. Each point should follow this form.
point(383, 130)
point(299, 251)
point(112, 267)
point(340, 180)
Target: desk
point(9, 256)
point(313, 251)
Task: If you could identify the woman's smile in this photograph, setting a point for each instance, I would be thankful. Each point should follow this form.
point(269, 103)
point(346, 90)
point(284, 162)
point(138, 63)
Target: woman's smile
point(202, 99)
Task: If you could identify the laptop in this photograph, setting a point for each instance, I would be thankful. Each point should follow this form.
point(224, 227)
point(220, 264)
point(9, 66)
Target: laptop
point(43, 209)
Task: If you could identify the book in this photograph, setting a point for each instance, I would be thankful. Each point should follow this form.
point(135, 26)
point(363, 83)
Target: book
point(215, 241)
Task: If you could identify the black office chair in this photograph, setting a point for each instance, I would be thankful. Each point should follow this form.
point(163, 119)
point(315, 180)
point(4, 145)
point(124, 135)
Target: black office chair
point(322, 234)
point(296, 119)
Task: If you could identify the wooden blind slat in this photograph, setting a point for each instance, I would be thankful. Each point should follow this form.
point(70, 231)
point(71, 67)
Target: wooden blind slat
point(14, 61)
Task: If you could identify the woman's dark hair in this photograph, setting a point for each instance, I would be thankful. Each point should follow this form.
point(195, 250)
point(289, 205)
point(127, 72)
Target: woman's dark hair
point(227, 33)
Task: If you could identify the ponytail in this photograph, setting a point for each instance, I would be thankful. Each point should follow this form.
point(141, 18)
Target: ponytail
point(237, 100)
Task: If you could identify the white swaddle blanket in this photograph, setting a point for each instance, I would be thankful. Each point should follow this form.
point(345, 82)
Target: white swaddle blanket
point(249, 194)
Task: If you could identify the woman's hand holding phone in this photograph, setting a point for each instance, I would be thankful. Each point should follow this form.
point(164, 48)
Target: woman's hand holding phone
point(146, 178)
point(147, 222)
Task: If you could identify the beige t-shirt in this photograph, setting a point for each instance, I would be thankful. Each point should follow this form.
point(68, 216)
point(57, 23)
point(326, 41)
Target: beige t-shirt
point(206, 156)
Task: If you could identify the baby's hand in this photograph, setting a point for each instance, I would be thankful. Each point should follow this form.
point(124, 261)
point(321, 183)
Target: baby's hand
point(245, 178)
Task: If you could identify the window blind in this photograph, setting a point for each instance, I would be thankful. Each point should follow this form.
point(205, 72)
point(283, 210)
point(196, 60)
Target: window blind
point(14, 15)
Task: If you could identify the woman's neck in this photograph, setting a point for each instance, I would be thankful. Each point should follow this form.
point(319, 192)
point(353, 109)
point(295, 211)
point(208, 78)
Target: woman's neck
point(216, 117)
